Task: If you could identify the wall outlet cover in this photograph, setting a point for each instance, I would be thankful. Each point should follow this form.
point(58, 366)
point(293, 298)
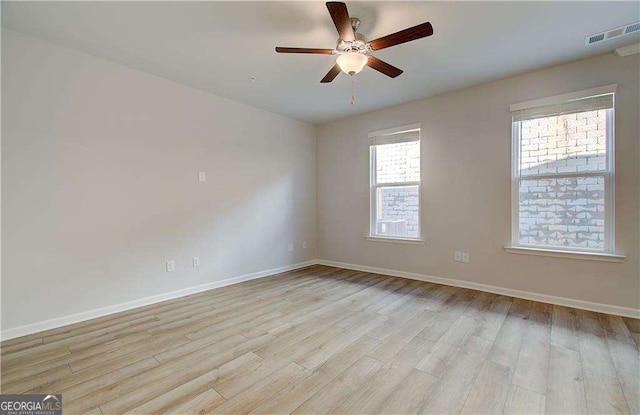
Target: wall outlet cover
point(171, 266)
point(465, 257)
point(457, 256)
point(196, 261)
point(202, 176)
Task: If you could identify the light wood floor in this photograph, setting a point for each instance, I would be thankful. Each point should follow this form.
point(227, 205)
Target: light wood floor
point(322, 340)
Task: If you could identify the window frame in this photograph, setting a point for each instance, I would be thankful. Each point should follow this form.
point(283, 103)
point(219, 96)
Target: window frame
point(374, 185)
point(608, 174)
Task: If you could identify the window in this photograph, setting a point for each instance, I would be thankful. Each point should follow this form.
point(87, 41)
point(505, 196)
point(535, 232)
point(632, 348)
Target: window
point(563, 172)
point(395, 183)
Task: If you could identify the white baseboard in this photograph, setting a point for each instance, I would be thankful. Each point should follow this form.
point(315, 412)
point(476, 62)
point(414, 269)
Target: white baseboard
point(543, 298)
point(100, 312)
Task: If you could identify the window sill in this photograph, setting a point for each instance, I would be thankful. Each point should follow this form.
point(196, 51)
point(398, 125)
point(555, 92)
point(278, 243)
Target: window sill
point(558, 253)
point(395, 240)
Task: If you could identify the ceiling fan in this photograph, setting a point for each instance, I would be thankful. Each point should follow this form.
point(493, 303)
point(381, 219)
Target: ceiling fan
point(354, 50)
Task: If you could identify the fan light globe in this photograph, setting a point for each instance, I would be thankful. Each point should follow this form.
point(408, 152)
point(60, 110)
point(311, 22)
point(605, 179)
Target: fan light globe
point(352, 62)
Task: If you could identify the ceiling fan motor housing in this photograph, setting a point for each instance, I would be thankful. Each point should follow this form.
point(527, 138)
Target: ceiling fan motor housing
point(357, 45)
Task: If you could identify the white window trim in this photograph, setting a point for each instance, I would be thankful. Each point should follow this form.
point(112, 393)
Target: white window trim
point(563, 98)
point(559, 253)
point(609, 254)
point(373, 187)
point(388, 131)
point(408, 241)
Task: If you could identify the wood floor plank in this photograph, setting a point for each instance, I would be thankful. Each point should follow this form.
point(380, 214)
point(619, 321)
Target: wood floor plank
point(603, 394)
point(522, 401)
point(467, 362)
point(7, 349)
point(327, 398)
point(533, 360)
point(448, 397)
point(403, 332)
point(622, 348)
point(406, 287)
point(565, 384)
point(375, 390)
point(195, 345)
point(564, 330)
point(104, 370)
point(506, 347)
point(264, 390)
point(145, 346)
point(633, 325)
point(293, 396)
point(491, 322)
point(410, 395)
point(85, 382)
point(75, 360)
point(490, 389)
point(324, 351)
point(126, 395)
point(76, 339)
point(29, 382)
point(195, 387)
point(243, 379)
point(401, 301)
point(455, 308)
point(18, 342)
point(447, 347)
point(198, 405)
point(323, 321)
point(594, 349)
point(630, 383)
point(39, 355)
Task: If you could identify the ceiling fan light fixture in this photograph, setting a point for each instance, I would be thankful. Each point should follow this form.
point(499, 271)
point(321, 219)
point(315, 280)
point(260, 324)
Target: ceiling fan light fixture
point(352, 62)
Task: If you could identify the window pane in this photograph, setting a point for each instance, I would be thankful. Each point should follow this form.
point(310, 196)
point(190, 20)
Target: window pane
point(399, 162)
point(564, 143)
point(563, 212)
point(398, 211)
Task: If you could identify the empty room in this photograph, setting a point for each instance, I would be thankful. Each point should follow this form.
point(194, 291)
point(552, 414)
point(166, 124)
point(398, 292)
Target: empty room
point(308, 207)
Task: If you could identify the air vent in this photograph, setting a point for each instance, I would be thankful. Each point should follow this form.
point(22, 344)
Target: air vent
point(595, 38)
point(632, 28)
point(613, 33)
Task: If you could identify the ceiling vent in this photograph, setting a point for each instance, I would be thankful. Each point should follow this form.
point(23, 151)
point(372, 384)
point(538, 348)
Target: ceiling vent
point(613, 33)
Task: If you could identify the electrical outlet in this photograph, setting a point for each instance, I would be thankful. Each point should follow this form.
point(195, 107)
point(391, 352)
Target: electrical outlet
point(304, 245)
point(457, 256)
point(171, 266)
point(202, 176)
point(196, 261)
point(290, 248)
point(465, 257)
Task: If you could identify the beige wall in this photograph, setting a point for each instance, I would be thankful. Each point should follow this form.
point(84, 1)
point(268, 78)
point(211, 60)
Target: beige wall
point(466, 187)
point(99, 184)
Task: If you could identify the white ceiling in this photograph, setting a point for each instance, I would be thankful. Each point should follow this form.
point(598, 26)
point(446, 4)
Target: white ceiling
point(219, 46)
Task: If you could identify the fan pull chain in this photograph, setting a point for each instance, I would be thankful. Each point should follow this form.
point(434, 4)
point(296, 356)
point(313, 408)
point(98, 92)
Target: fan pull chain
point(353, 93)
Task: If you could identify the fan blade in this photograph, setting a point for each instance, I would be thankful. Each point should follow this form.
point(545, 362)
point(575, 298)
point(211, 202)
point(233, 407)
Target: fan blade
point(340, 16)
point(406, 35)
point(304, 50)
point(331, 75)
point(384, 67)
